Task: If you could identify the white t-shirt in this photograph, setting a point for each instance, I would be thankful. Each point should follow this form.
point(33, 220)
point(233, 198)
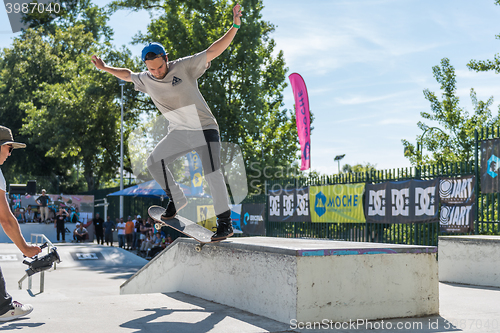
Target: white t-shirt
point(177, 95)
point(3, 186)
point(121, 225)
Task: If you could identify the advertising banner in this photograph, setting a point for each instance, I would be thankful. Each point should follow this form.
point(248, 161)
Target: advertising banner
point(206, 217)
point(490, 164)
point(236, 218)
point(252, 219)
point(195, 173)
point(302, 118)
point(402, 202)
point(457, 190)
point(457, 218)
point(337, 203)
point(289, 205)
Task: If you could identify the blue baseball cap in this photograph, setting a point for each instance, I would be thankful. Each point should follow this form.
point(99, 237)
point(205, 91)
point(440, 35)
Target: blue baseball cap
point(156, 48)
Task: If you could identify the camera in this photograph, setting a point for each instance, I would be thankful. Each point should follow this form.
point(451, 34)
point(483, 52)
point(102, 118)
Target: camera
point(43, 263)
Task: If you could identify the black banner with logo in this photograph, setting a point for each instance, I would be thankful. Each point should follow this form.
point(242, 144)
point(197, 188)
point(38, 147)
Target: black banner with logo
point(457, 218)
point(457, 190)
point(402, 202)
point(252, 219)
point(289, 205)
point(490, 164)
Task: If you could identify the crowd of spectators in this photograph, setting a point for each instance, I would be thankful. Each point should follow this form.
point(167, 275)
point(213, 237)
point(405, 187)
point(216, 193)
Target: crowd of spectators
point(134, 233)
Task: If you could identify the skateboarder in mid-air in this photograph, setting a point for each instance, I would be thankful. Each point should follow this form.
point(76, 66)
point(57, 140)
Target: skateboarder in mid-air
point(173, 88)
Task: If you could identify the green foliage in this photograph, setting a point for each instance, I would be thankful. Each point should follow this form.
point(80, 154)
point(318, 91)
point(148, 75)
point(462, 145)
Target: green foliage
point(53, 99)
point(243, 86)
point(359, 168)
point(454, 141)
point(486, 65)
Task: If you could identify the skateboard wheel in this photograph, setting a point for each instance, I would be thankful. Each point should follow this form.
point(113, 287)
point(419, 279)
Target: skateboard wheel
point(158, 226)
point(198, 248)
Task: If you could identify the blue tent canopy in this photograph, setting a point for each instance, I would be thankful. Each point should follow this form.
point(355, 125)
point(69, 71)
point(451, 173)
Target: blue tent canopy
point(149, 189)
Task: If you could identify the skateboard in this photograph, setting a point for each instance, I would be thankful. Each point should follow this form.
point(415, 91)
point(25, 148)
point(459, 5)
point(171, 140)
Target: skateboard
point(183, 225)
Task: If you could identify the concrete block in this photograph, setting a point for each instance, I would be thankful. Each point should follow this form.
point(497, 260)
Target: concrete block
point(296, 279)
point(473, 259)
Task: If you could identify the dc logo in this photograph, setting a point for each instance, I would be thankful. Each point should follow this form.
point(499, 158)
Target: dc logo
point(376, 203)
point(400, 202)
point(274, 206)
point(306, 153)
point(424, 200)
point(303, 205)
point(319, 204)
point(288, 205)
point(246, 218)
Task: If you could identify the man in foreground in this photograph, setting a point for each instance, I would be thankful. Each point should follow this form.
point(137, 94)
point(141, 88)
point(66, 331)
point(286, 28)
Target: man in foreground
point(9, 309)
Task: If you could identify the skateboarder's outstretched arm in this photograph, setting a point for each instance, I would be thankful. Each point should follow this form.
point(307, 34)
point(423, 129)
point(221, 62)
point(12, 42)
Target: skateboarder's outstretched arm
point(121, 73)
point(222, 43)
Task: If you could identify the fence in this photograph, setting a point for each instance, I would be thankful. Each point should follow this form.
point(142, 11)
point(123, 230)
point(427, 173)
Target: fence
point(414, 233)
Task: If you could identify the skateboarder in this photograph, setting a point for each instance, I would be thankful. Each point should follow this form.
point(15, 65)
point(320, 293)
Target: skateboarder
point(173, 88)
point(9, 309)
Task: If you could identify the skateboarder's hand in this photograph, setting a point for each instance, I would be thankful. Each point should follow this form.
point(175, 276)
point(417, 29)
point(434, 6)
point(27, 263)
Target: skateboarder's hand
point(237, 14)
point(98, 62)
point(31, 251)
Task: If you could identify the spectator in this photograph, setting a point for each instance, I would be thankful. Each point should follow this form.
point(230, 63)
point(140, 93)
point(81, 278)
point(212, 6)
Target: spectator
point(75, 215)
point(19, 215)
point(121, 233)
point(137, 232)
point(29, 215)
point(43, 202)
point(145, 229)
point(109, 227)
point(157, 245)
point(59, 223)
point(129, 232)
point(98, 224)
point(80, 233)
point(147, 244)
point(168, 241)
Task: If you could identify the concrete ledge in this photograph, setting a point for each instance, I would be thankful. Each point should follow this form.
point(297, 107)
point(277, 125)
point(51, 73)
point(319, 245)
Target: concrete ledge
point(471, 260)
point(305, 280)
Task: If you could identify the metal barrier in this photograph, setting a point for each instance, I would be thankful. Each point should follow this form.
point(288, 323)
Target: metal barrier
point(43, 239)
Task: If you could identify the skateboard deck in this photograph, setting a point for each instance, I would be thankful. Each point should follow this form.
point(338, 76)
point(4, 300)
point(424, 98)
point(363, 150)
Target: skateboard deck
point(183, 225)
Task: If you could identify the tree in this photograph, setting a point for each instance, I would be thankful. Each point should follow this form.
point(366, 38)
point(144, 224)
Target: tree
point(486, 65)
point(60, 105)
point(244, 85)
point(454, 141)
point(358, 168)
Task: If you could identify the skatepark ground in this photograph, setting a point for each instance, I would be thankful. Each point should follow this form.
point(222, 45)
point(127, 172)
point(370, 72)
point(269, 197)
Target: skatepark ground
point(83, 295)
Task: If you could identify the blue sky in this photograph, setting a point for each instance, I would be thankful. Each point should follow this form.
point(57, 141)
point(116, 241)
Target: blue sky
point(365, 64)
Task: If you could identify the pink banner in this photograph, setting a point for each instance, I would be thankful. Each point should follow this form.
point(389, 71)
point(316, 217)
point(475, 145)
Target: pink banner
point(302, 118)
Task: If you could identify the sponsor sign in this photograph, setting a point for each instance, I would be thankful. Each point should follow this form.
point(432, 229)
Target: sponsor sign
point(457, 190)
point(457, 218)
point(490, 165)
point(87, 256)
point(402, 202)
point(289, 205)
point(337, 203)
point(252, 219)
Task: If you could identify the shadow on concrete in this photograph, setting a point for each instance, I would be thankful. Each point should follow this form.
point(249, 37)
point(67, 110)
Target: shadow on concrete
point(213, 313)
point(18, 325)
point(470, 286)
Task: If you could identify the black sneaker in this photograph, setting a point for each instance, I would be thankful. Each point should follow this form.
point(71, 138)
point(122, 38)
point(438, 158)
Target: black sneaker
point(173, 208)
point(224, 230)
